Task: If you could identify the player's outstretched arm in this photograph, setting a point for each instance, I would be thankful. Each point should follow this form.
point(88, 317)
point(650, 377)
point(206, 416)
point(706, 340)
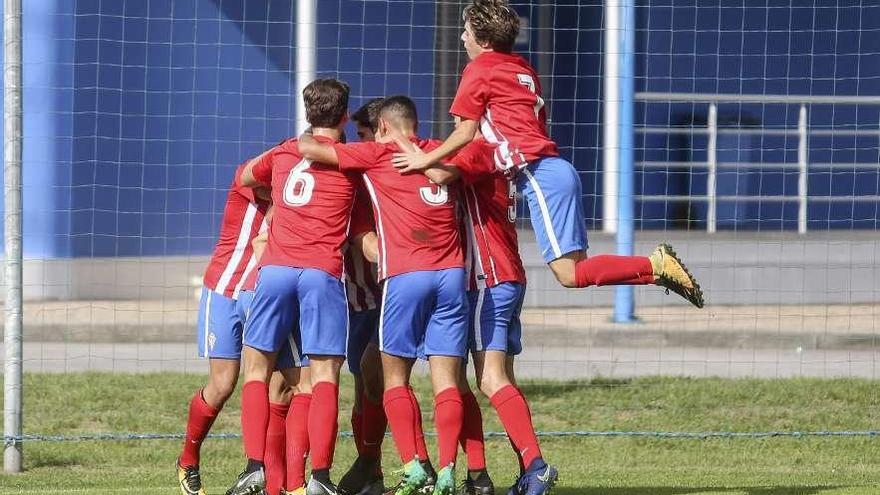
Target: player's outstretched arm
point(311, 149)
point(463, 134)
point(439, 173)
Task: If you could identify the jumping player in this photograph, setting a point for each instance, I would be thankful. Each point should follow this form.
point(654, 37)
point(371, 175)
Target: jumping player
point(500, 94)
point(300, 279)
point(424, 298)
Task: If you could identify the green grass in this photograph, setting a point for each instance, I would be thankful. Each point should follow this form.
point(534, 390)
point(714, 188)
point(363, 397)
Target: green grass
point(156, 403)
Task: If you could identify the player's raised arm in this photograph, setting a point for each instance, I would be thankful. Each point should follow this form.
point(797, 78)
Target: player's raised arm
point(439, 173)
point(311, 149)
point(463, 134)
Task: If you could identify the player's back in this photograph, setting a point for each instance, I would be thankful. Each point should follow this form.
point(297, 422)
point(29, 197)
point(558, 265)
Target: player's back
point(312, 209)
point(242, 216)
point(415, 219)
point(490, 207)
point(503, 92)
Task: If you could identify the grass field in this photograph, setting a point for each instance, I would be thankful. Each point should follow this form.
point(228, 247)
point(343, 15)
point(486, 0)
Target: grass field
point(156, 403)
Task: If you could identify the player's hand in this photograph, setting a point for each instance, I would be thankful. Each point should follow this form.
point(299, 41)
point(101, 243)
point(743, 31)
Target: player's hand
point(414, 161)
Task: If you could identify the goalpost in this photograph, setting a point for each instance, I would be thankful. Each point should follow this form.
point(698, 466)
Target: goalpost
point(12, 138)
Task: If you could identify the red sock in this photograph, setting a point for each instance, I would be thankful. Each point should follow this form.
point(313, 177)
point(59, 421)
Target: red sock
point(374, 424)
point(297, 433)
point(421, 447)
point(609, 269)
point(471, 438)
point(513, 410)
point(323, 424)
point(357, 426)
point(402, 418)
point(275, 441)
point(198, 424)
point(448, 416)
point(254, 418)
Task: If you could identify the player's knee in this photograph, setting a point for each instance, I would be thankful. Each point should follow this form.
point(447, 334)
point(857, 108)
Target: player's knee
point(493, 381)
point(566, 278)
point(220, 388)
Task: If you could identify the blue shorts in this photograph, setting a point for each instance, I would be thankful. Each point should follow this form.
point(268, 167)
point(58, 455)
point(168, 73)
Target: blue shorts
point(310, 300)
point(285, 357)
point(552, 188)
point(363, 328)
point(424, 308)
point(494, 323)
point(219, 326)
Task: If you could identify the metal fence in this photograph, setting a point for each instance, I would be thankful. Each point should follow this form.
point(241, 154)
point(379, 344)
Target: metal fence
point(802, 131)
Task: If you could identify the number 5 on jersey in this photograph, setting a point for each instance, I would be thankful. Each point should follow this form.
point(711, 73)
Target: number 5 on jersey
point(299, 185)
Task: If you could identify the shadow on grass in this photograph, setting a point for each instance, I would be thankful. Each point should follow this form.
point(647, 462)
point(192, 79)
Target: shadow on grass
point(668, 490)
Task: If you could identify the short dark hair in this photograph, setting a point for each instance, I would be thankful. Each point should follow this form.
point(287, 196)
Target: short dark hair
point(326, 102)
point(400, 107)
point(368, 114)
point(494, 23)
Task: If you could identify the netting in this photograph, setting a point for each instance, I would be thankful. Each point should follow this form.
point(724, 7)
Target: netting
point(756, 150)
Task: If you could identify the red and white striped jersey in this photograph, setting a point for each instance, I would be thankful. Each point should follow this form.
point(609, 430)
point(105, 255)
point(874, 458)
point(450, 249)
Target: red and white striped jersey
point(503, 92)
point(361, 278)
point(242, 217)
point(492, 248)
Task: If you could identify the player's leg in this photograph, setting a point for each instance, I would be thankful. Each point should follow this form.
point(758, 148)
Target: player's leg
point(446, 346)
point(297, 431)
point(279, 404)
point(273, 315)
point(477, 481)
point(367, 415)
point(499, 341)
point(219, 338)
point(406, 305)
point(374, 419)
point(324, 327)
point(472, 441)
point(553, 191)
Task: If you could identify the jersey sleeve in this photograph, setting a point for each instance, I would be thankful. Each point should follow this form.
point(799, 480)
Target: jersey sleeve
point(475, 161)
point(361, 215)
point(358, 156)
point(262, 168)
point(471, 97)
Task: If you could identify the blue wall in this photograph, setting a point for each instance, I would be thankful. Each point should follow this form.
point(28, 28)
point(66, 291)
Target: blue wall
point(137, 112)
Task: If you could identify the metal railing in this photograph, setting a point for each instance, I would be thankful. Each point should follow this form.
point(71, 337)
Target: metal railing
point(712, 131)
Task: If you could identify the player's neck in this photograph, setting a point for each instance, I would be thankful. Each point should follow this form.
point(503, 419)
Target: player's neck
point(327, 132)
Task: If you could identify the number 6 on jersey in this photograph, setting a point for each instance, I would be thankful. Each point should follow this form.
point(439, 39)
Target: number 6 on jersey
point(299, 185)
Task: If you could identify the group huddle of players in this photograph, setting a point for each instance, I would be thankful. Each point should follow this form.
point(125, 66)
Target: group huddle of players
point(388, 250)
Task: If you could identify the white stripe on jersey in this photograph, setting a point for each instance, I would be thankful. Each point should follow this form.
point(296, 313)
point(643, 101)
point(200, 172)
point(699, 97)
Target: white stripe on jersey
point(250, 265)
point(476, 259)
point(545, 213)
point(483, 231)
point(244, 237)
point(383, 266)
